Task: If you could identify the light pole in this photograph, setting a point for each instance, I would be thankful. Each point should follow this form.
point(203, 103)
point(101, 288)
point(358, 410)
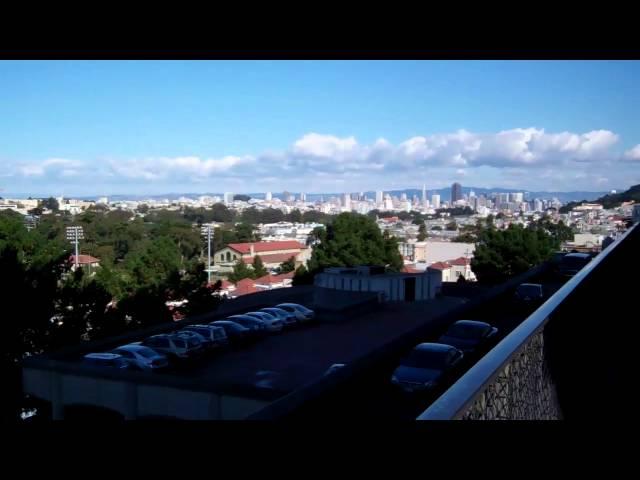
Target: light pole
point(207, 231)
point(74, 235)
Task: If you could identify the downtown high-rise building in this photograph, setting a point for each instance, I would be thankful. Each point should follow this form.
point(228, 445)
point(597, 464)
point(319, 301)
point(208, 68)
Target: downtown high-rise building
point(424, 193)
point(228, 198)
point(456, 192)
point(303, 197)
point(388, 202)
point(267, 196)
point(435, 200)
point(347, 201)
point(379, 197)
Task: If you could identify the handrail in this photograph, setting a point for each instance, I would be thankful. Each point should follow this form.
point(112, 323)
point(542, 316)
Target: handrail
point(461, 395)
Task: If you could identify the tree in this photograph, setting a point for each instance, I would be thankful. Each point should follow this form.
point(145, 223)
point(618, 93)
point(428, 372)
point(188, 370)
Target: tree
point(302, 276)
point(245, 232)
point(354, 239)
point(452, 226)
point(143, 208)
point(422, 232)
point(501, 254)
point(240, 271)
point(436, 227)
point(50, 204)
point(288, 265)
point(258, 267)
point(295, 216)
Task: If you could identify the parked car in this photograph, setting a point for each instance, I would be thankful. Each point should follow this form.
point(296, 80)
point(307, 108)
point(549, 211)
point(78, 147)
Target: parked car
point(207, 343)
point(236, 333)
point(302, 313)
point(274, 324)
point(469, 335)
point(252, 323)
point(142, 358)
point(572, 263)
point(217, 335)
point(426, 367)
point(174, 346)
point(334, 368)
point(289, 319)
point(110, 360)
point(529, 294)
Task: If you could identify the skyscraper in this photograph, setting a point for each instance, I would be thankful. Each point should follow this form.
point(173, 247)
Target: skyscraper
point(347, 201)
point(379, 197)
point(228, 198)
point(435, 200)
point(456, 192)
point(267, 196)
point(424, 193)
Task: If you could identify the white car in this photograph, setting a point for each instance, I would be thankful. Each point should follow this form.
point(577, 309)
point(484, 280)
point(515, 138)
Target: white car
point(142, 357)
point(288, 318)
point(302, 313)
point(273, 323)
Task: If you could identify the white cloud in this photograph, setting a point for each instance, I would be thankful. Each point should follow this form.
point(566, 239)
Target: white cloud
point(633, 154)
point(526, 156)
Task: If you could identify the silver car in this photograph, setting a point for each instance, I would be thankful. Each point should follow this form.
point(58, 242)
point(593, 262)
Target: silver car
point(143, 358)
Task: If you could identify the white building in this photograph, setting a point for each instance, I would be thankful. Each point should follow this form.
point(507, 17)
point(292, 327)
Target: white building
point(388, 202)
point(228, 198)
point(267, 196)
point(379, 198)
point(346, 202)
point(435, 201)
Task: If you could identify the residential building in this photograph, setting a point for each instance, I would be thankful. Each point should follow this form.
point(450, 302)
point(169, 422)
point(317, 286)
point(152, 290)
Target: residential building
point(272, 254)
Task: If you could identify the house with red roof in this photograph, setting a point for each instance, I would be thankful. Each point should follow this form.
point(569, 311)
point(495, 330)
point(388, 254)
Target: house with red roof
point(461, 267)
point(272, 254)
point(84, 261)
point(245, 286)
point(444, 268)
point(269, 281)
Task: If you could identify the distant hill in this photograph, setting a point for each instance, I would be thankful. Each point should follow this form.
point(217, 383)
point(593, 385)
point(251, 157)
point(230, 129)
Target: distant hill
point(611, 200)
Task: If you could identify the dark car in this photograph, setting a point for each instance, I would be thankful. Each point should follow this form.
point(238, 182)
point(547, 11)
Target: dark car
point(109, 360)
point(426, 367)
point(258, 327)
point(469, 335)
point(215, 334)
point(235, 332)
point(572, 263)
point(529, 294)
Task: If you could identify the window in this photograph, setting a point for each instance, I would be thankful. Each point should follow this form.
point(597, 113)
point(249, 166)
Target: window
point(125, 353)
point(229, 257)
point(222, 257)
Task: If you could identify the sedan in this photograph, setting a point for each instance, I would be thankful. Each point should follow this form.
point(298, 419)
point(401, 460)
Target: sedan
point(468, 335)
point(302, 313)
point(235, 332)
point(256, 326)
point(143, 358)
point(529, 293)
point(426, 367)
point(273, 323)
point(288, 318)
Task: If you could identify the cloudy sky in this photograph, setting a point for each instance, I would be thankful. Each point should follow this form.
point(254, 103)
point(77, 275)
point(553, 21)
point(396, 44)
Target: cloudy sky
point(102, 128)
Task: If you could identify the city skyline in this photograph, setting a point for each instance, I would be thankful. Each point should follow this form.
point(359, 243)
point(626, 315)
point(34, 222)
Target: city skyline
point(77, 127)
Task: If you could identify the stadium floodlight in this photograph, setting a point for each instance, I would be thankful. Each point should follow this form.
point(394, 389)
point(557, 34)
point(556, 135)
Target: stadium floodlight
point(74, 235)
point(207, 231)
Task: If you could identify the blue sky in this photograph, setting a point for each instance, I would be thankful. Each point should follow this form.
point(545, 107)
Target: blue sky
point(107, 127)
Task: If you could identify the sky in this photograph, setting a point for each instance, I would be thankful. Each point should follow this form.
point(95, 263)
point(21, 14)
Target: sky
point(152, 127)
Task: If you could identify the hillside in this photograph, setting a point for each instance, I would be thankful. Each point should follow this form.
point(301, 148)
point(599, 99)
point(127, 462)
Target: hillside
point(610, 200)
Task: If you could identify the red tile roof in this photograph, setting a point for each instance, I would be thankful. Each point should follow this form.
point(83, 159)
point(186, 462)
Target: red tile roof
point(389, 219)
point(258, 247)
point(460, 261)
point(284, 276)
point(267, 279)
point(410, 269)
point(440, 265)
point(272, 258)
point(83, 259)
point(244, 287)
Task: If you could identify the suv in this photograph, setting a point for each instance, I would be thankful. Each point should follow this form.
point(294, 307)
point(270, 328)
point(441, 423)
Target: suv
point(111, 360)
point(216, 335)
point(173, 346)
point(572, 263)
point(529, 293)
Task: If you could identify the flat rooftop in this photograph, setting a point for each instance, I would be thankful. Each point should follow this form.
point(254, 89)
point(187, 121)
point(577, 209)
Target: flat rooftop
point(279, 363)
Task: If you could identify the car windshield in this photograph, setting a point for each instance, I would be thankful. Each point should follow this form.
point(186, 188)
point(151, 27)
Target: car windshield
point(426, 359)
point(202, 331)
point(528, 291)
point(146, 352)
point(180, 343)
point(574, 262)
point(467, 331)
point(288, 308)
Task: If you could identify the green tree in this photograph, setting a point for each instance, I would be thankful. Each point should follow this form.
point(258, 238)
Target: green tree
point(302, 276)
point(244, 232)
point(295, 216)
point(50, 204)
point(452, 226)
point(354, 239)
point(258, 267)
point(422, 232)
point(240, 271)
point(288, 265)
point(501, 254)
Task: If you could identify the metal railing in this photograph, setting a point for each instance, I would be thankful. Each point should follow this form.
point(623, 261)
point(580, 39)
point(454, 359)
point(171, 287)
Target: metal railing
point(513, 380)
